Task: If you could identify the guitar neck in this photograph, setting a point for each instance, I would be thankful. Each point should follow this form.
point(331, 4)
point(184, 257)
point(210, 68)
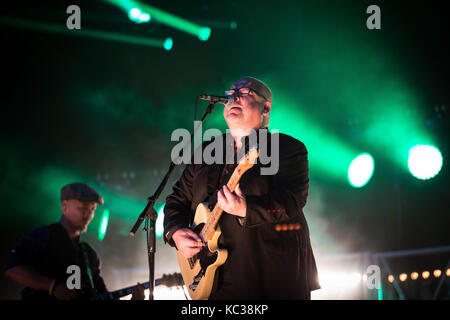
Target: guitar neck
point(216, 213)
point(114, 295)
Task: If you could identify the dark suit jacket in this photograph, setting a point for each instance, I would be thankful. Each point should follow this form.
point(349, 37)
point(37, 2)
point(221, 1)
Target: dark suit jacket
point(263, 263)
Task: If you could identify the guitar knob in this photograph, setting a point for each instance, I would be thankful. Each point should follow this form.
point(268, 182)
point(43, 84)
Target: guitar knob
point(193, 286)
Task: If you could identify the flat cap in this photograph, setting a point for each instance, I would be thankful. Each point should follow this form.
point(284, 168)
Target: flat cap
point(80, 191)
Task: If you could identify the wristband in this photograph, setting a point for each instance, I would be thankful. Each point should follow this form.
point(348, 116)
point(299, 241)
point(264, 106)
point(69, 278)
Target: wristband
point(52, 287)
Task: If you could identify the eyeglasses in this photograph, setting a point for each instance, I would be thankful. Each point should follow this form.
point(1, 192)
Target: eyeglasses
point(242, 92)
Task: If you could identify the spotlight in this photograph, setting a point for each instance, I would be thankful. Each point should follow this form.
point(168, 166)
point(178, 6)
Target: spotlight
point(414, 275)
point(135, 13)
point(103, 225)
point(424, 161)
point(403, 277)
point(204, 33)
point(425, 274)
point(391, 278)
point(437, 273)
point(168, 43)
point(448, 272)
point(360, 170)
point(145, 17)
point(159, 225)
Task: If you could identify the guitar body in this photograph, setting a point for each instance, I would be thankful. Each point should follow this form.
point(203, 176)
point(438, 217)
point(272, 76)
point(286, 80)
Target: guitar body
point(199, 271)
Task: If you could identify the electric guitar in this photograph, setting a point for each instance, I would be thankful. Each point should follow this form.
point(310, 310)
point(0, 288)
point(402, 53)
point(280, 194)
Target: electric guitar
point(199, 271)
point(171, 280)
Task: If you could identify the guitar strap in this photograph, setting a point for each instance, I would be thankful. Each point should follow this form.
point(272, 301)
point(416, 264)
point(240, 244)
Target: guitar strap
point(87, 263)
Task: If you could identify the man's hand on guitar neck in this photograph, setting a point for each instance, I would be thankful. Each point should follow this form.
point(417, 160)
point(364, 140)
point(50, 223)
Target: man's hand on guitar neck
point(187, 242)
point(232, 202)
point(138, 293)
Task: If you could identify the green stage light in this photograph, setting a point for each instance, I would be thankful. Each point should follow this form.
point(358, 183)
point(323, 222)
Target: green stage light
point(424, 161)
point(159, 227)
point(328, 155)
point(134, 14)
point(89, 33)
point(204, 33)
point(168, 43)
point(145, 17)
point(103, 225)
point(361, 170)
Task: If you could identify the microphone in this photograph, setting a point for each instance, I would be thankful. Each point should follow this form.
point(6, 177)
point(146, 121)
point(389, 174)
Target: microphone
point(215, 99)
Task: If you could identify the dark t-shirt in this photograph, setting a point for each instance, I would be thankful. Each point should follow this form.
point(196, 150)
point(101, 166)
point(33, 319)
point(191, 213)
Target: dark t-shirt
point(50, 251)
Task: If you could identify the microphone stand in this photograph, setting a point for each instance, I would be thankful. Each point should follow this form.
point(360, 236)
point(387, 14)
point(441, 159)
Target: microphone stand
point(150, 215)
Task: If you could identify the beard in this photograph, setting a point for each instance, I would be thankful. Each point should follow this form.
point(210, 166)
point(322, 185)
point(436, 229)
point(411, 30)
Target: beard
point(80, 226)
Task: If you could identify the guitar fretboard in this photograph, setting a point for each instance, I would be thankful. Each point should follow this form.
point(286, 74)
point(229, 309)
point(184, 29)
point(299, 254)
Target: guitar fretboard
point(210, 225)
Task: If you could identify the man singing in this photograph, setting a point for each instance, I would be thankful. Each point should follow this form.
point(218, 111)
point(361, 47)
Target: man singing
point(263, 226)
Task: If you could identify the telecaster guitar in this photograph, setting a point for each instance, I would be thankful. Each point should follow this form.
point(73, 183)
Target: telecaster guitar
point(199, 271)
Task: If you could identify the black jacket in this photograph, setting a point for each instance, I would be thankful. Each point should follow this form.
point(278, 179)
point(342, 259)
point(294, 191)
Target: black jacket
point(263, 262)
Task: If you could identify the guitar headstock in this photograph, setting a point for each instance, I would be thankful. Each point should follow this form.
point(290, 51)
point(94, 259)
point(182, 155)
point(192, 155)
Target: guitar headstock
point(249, 159)
point(172, 280)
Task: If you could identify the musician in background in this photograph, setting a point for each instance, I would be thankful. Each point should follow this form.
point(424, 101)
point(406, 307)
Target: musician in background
point(40, 260)
point(263, 226)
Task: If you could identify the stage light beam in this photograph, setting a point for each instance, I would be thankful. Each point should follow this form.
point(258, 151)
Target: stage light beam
point(424, 161)
point(89, 33)
point(361, 170)
point(145, 17)
point(168, 44)
point(201, 32)
point(320, 144)
point(103, 225)
point(204, 33)
point(134, 14)
point(159, 227)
